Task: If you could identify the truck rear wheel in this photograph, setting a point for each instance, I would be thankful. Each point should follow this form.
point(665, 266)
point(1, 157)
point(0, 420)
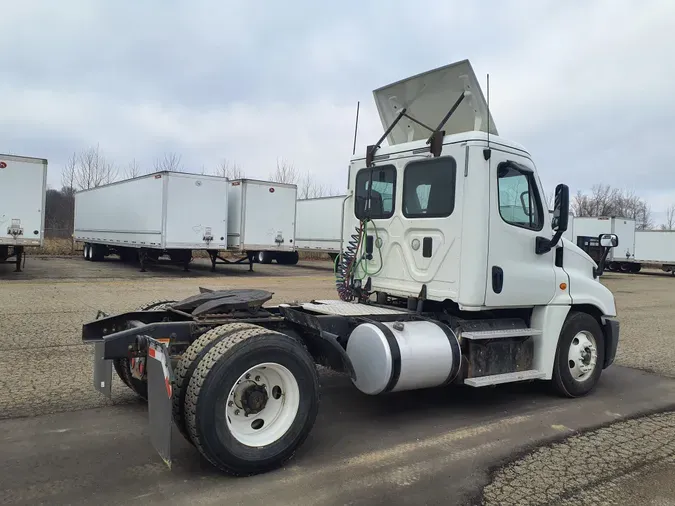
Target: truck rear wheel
point(189, 362)
point(252, 401)
point(123, 366)
point(580, 355)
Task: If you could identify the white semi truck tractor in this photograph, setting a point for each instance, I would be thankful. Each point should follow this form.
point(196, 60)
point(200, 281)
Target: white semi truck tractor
point(452, 273)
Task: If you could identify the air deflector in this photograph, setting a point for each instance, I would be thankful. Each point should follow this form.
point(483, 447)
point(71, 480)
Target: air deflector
point(427, 98)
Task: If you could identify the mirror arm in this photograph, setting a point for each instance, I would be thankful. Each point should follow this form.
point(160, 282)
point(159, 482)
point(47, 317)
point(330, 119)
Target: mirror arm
point(544, 245)
point(597, 271)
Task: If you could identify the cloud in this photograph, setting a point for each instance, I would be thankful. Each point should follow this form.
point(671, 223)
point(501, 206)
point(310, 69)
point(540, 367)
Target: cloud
point(586, 86)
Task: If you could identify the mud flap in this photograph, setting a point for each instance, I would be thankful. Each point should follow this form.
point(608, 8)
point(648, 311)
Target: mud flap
point(102, 370)
point(160, 381)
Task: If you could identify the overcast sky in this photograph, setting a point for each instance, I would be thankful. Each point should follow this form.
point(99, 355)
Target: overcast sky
point(587, 86)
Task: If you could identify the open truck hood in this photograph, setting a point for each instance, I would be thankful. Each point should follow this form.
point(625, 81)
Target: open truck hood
point(428, 97)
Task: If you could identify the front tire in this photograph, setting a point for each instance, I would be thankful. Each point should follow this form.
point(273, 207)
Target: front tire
point(252, 401)
point(579, 356)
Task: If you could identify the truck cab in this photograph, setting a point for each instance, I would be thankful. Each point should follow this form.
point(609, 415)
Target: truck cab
point(455, 218)
point(451, 271)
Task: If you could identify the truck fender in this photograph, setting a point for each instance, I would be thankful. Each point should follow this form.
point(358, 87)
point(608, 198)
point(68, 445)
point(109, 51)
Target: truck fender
point(548, 319)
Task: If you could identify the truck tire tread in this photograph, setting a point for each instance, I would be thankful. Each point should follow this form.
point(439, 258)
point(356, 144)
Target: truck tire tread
point(562, 381)
point(189, 362)
point(218, 352)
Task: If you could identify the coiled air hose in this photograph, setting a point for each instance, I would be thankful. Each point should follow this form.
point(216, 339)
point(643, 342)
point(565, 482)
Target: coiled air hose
point(351, 260)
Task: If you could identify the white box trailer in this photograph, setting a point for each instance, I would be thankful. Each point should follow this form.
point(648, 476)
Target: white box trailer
point(170, 213)
point(23, 193)
point(655, 247)
point(588, 229)
point(261, 220)
point(319, 224)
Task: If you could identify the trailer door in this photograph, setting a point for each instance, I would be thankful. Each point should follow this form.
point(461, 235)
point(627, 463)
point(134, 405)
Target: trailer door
point(22, 194)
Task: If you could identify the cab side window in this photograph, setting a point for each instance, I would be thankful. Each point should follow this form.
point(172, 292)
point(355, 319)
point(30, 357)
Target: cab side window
point(519, 201)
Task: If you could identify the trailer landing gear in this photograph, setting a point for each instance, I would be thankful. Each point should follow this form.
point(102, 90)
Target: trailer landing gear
point(20, 255)
point(214, 255)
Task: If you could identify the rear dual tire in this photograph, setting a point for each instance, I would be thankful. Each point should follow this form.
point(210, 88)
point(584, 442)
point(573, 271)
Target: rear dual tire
point(251, 399)
point(93, 252)
point(123, 366)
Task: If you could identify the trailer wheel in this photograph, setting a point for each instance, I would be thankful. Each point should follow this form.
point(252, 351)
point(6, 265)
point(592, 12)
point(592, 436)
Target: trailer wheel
point(265, 257)
point(96, 252)
point(252, 401)
point(635, 268)
point(579, 356)
point(288, 258)
point(123, 365)
point(189, 362)
point(85, 250)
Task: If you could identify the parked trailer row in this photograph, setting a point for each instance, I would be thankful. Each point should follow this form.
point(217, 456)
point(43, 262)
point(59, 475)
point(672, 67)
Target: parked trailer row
point(636, 247)
point(23, 191)
point(174, 213)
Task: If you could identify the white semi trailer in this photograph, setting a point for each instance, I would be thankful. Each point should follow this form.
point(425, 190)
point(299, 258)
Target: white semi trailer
point(262, 220)
point(319, 225)
point(174, 213)
point(637, 248)
point(587, 230)
point(452, 273)
point(655, 247)
point(144, 218)
point(23, 191)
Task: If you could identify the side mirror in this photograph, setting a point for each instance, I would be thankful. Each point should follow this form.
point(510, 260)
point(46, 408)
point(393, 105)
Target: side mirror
point(608, 240)
point(559, 222)
point(561, 208)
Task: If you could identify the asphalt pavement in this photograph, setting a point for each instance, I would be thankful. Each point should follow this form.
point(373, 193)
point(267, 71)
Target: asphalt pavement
point(63, 443)
point(437, 446)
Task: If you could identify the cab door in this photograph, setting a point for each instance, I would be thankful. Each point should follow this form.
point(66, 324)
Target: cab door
point(517, 275)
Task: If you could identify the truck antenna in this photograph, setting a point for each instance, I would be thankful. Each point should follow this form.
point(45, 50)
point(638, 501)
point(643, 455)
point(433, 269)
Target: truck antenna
point(487, 152)
point(356, 127)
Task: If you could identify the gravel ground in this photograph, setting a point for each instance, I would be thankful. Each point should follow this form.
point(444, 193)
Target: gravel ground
point(627, 463)
point(614, 465)
point(45, 368)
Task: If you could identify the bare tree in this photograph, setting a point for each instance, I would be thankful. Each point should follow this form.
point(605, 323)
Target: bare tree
point(88, 169)
point(68, 172)
point(285, 173)
point(607, 201)
point(132, 170)
point(230, 170)
point(170, 161)
point(670, 218)
point(310, 188)
point(93, 169)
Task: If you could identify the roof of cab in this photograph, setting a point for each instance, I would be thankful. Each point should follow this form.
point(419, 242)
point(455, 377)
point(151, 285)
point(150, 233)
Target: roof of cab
point(480, 138)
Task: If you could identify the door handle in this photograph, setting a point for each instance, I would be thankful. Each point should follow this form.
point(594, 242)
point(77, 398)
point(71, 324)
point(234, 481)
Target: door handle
point(497, 279)
point(427, 247)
